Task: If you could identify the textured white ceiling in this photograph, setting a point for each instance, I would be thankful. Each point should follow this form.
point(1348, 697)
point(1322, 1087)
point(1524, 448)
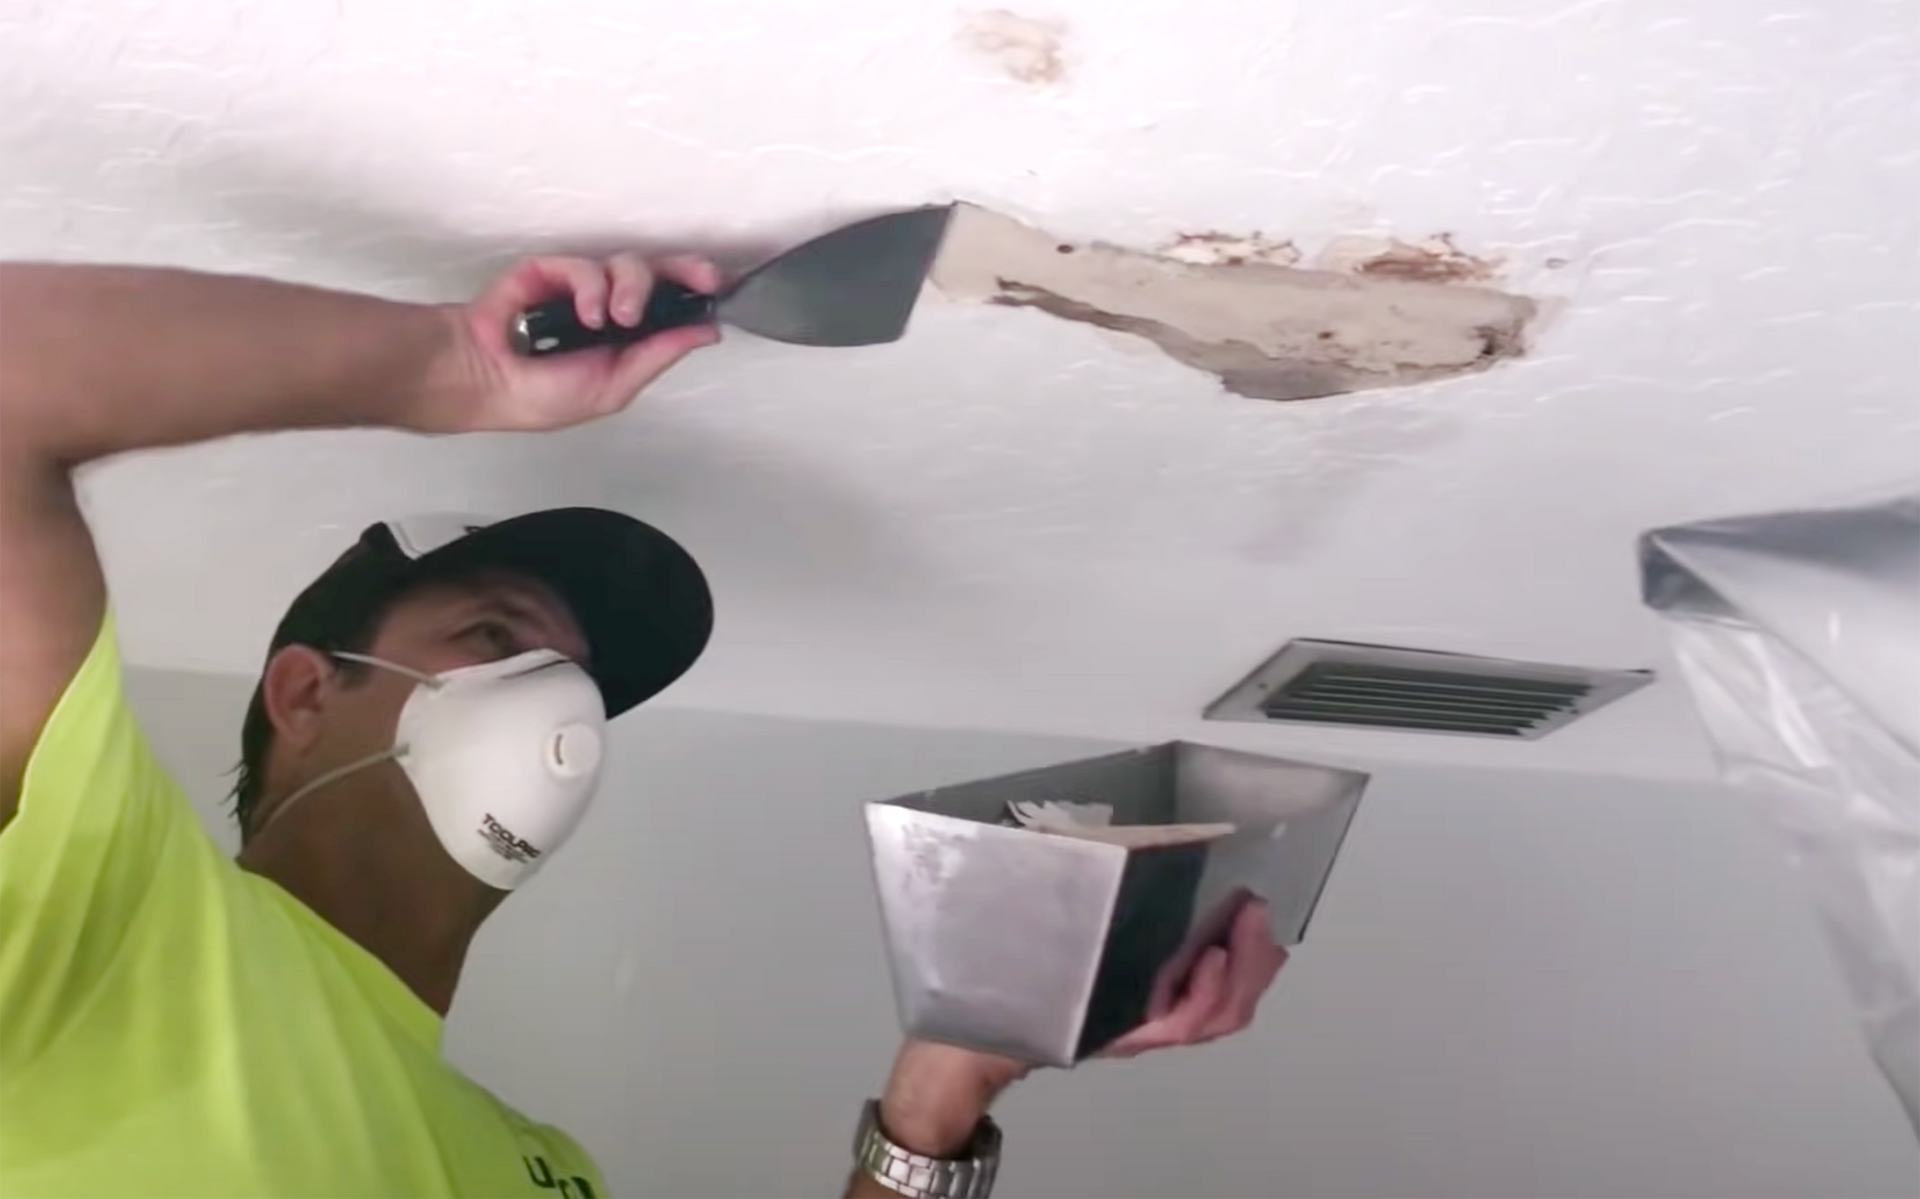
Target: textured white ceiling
point(1005, 520)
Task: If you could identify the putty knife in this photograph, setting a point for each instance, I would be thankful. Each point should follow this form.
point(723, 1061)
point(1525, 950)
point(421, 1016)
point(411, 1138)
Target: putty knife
point(855, 286)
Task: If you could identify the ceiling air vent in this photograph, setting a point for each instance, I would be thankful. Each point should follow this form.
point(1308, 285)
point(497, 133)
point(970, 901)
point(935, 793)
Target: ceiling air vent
point(1416, 690)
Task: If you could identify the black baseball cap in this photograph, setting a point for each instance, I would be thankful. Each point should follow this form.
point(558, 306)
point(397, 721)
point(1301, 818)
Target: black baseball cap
point(638, 596)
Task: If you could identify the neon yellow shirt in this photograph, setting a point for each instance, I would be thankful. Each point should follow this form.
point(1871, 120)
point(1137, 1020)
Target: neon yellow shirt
point(173, 1025)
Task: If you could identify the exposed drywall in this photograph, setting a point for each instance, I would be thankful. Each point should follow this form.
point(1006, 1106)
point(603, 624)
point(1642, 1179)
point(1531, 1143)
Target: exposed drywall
point(1398, 314)
point(1488, 1004)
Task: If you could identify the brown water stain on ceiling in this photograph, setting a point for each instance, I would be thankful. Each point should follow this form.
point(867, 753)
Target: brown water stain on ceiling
point(1372, 313)
point(1433, 260)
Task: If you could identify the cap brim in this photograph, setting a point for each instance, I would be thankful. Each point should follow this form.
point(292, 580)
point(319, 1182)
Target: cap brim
point(639, 597)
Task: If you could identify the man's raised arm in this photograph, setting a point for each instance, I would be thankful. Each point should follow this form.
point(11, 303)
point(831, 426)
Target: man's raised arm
point(97, 360)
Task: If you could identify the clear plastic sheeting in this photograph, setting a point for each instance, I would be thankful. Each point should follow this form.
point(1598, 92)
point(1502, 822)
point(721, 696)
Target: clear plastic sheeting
point(1799, 635)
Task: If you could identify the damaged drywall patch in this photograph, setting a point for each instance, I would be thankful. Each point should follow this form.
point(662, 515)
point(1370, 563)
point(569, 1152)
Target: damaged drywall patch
point(1028, 49)
point(1397, 315)
point(1241, 367)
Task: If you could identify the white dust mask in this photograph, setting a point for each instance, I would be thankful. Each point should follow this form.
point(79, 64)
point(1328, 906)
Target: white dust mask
point(505, 757)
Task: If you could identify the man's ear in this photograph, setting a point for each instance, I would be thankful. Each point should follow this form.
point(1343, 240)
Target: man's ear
point(293, 691)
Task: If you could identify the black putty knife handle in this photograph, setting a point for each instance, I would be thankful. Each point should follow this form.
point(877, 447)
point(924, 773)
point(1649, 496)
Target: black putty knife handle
point(554, 327)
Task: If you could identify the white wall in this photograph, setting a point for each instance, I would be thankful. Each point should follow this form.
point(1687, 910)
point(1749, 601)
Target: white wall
point(1515, 986)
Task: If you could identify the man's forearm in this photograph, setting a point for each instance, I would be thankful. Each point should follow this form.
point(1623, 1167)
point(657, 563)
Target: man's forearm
point(95, 360)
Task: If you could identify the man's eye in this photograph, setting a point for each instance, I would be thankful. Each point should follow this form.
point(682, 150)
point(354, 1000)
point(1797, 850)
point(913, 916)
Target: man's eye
point(496, 637)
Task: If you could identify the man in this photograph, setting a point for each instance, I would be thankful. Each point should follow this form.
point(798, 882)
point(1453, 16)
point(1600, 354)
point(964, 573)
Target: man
point(425, 733)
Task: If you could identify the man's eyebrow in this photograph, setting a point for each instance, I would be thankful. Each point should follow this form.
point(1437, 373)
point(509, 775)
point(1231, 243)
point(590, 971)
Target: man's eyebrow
point(512, 605)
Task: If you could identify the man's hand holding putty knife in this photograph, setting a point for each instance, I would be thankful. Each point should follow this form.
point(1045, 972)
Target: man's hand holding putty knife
point(855, 286)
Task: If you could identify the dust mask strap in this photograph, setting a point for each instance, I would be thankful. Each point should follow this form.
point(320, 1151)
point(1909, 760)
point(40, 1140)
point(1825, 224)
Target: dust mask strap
point(340, 772)
point(418, 676)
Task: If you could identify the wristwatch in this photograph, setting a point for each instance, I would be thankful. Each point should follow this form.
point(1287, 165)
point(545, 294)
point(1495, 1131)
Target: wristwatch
point(968, 1176)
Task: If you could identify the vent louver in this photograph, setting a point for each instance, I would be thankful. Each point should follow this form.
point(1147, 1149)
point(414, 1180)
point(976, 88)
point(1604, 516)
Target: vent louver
point(1412, 690)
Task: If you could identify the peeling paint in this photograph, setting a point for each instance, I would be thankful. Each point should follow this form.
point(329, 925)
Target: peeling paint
point(1026, 49)
point(1398, 314)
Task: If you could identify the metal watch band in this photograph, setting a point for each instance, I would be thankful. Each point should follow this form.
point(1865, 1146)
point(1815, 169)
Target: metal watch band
point(918, 1177)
